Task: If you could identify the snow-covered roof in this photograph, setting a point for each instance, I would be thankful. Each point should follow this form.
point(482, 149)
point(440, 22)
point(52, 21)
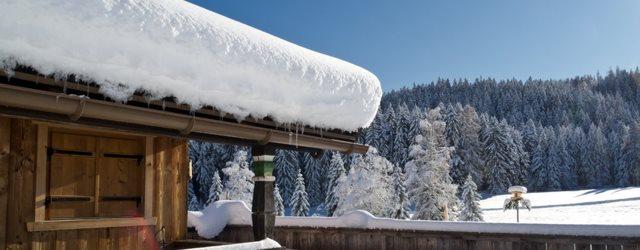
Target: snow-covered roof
point(175, 48)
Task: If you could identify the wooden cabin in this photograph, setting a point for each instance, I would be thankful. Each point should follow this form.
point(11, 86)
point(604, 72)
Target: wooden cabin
point(99, 99)
point(89, 173)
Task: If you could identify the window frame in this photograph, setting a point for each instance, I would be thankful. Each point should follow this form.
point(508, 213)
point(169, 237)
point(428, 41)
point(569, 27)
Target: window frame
point(41, 223)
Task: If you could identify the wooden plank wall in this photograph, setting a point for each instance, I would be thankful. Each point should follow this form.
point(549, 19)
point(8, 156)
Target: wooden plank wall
point(18, 140)
point(5, 140)
point(172, 174)
point(21, 199)
point(103, 238)
point(346, 238)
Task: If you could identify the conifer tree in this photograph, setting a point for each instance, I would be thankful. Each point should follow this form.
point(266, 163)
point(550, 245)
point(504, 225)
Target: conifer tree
point(498, 155)
point(551, 181)
point(216, 189)
point(429, 184)
point(313, 179)
point(278, 202)
point(631, 153)
point(367, 186)
point(193, 204)
point(622, 172)
point(400, 199)
point(239, 183)
point(287, 166)
point(471, 210)
point(336, 169)
point(299, 203)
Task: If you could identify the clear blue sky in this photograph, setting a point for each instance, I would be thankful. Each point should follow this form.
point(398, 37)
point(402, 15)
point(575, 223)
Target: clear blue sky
point(405, 42)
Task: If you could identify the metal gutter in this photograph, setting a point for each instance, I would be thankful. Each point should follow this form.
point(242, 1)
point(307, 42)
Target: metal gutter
point(77, 108)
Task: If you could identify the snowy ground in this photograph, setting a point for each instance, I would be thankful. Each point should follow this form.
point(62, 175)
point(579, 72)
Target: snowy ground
point(592, 206)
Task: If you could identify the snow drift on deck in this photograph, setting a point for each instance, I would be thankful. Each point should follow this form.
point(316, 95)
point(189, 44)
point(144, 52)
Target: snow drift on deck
point(175, 48)
point(212, 220)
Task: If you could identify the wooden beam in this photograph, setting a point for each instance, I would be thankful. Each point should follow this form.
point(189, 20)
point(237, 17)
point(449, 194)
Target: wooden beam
point(41, 172)
point(5, 150)
point(148, 177)
point(53, 225)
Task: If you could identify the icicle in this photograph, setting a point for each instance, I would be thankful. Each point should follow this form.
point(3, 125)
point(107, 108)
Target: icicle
point(290, 137)
point(296, 135)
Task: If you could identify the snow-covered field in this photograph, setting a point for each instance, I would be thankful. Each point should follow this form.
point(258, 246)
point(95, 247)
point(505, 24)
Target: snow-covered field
point(591, 206)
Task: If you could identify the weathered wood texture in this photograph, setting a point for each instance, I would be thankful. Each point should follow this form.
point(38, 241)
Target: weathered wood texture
point(5, 149)
point(18, 158)
point(104, 238)
point(345, 238)
point(170, 201)
point(21, 199)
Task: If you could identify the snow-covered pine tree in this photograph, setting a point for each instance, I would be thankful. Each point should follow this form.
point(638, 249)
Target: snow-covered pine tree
point(299, 203)
point(465, 159)
point(278, 202)
point(631, 154)
point(597, 168)
point(313, 179)
point(498, 156)
point(520, 157)
point(400, 198)
point(554, 163)
point(216, 189)
point(192, 204)
point(367, 187)
point(530, 136)
point(388, 132)
point(401, 141)
point(287, 165)
point(538, 172)
point(207, 158)
point(567, 165)
point(429, 184)
point(471, 210)
point(622, 172)
point(336, 169)
point(239, 183)
point(453, 127)
point(469, 146)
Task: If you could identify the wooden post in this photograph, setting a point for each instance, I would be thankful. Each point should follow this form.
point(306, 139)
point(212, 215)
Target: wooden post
point(263, 209)
point(5, 149)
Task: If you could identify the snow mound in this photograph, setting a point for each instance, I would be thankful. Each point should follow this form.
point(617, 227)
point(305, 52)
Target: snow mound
point(175, 48)
point(356, 219)
point(263, 244)
point(212, 219)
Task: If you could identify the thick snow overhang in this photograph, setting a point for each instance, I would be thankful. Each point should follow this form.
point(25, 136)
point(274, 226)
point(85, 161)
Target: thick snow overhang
point(174, 49)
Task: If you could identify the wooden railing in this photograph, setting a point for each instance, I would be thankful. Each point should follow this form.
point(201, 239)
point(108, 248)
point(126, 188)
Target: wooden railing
point(350, 238)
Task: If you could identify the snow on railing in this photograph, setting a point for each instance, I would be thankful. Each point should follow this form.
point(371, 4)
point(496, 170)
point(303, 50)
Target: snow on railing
point(212, 220)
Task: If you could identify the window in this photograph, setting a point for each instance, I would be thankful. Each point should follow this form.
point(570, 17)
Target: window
point(94, 175)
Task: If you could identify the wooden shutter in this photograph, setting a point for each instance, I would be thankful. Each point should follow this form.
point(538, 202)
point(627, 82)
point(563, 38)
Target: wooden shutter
point(120, 170)
point(72, 178)
point(95, 175)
